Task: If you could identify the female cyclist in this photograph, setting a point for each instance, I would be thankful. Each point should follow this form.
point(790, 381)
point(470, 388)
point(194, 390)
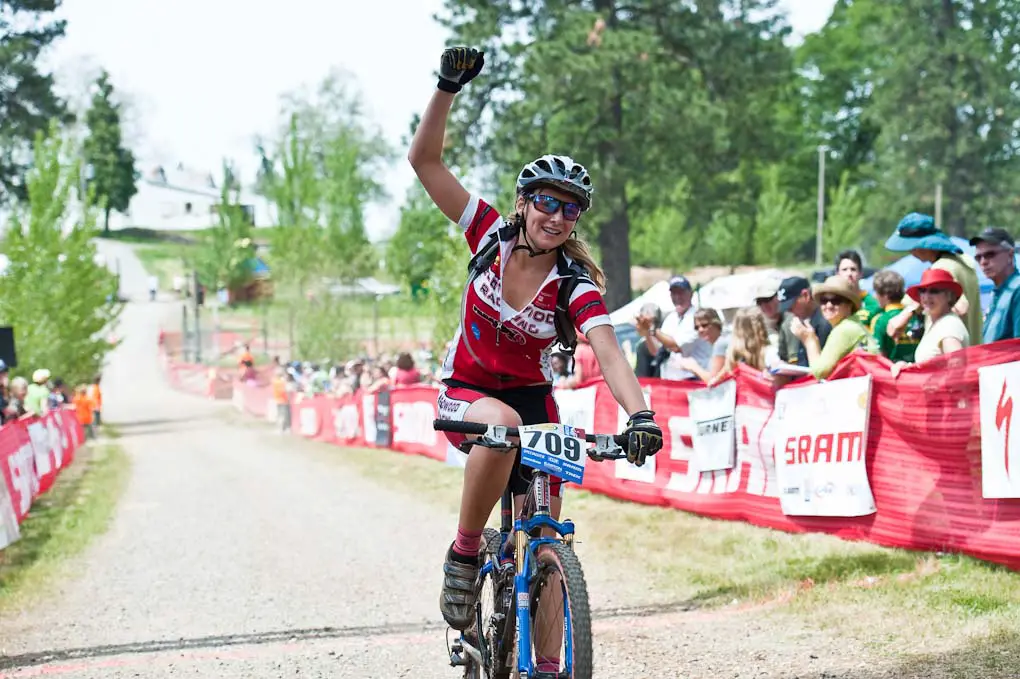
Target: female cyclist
point(498, 368)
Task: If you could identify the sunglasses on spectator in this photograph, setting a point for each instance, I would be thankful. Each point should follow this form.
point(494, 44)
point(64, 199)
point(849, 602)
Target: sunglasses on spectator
point(550, 206)
point(982, 256)
point(699, 326)
point(931, 291)
point(834, 301)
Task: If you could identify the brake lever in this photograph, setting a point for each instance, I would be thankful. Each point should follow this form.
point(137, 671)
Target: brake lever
point(605, 448)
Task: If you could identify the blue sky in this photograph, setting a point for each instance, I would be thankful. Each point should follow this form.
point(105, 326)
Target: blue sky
point(203, 77)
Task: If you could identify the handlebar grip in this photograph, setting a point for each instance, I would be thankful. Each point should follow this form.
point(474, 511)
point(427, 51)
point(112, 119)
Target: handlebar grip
point(457, 427)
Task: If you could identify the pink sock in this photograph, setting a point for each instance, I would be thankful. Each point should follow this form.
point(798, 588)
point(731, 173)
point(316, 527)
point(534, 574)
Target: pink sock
point(547, 664)
point(467, 542)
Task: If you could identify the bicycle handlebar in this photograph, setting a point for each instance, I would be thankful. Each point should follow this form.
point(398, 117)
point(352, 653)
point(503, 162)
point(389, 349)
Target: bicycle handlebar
point(456, 427)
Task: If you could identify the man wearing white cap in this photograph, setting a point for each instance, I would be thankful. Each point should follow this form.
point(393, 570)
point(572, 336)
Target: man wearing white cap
point(677, 333)
point(766, 298)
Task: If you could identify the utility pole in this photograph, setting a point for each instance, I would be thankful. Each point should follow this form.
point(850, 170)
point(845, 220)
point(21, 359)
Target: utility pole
point(938, 205)
point(821, 206)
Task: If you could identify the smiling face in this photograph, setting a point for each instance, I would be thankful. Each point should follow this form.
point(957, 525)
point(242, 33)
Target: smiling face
point(936, 301)
point(834, 308)
point(543, 209)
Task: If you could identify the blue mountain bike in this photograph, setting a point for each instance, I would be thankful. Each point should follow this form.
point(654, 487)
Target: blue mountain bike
point(532, 598)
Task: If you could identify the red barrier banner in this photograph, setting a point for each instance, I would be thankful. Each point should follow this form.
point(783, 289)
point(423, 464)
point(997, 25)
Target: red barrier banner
point(33, 451)
point(922, 456)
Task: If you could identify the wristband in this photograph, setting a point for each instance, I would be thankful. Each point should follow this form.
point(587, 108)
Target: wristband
point(448, 86)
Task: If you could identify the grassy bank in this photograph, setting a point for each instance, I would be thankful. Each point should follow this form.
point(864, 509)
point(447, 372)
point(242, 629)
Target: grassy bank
point(62, 522)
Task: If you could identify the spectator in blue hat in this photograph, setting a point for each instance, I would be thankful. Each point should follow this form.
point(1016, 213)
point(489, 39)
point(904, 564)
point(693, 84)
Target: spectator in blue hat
point(995, 252)
point(917, 234)
point(677, 333)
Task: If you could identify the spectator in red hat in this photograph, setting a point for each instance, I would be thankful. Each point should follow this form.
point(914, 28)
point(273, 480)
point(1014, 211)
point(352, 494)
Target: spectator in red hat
point(937, 292)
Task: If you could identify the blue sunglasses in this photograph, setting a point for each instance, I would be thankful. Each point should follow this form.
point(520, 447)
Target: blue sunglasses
point(550, 205)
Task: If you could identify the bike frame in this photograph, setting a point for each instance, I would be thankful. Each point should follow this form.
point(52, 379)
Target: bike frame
point(527, 542)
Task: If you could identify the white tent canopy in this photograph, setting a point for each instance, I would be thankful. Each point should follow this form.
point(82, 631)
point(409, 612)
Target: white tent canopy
point(724, 294)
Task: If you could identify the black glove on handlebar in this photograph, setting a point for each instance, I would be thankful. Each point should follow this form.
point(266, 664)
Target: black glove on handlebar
point(644, 437)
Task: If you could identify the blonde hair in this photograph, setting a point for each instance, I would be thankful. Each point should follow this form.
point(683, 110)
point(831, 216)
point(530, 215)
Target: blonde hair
point(749, 340)
point(577, 250)
point(708, 316)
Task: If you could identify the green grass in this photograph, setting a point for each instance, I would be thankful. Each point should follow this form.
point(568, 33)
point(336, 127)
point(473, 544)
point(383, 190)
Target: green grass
point(63, 522)
point(164, 260)
point(901, 602)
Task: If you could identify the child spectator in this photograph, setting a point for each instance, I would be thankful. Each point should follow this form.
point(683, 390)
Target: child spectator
point(96, 397)
point(83, 409)
point(889, 290)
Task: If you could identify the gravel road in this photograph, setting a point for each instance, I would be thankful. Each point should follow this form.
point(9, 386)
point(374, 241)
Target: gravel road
point(235, 553)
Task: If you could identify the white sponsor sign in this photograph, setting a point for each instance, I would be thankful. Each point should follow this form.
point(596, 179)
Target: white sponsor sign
point(713, 411)
point(625, 470)
point(345, 422)
point(999, 391)
point(8, 520)
point(821, 438)
point(412, 423)
point(368, 417)
point(577, 407)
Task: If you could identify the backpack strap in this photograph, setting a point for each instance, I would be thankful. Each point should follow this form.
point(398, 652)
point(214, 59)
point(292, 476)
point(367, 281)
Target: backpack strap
point(566, 334)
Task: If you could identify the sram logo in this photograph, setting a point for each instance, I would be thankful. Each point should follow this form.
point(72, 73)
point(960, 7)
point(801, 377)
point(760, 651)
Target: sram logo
point(412, 423)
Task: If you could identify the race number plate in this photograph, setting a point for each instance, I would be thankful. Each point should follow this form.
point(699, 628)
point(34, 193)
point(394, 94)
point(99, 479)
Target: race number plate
point(557, 449)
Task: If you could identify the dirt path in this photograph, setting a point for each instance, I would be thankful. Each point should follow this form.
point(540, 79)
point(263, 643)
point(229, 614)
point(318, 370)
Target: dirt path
point(235, 553)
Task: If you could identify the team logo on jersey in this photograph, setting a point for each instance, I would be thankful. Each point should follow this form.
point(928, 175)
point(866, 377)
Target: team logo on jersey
point(511, 334)
point(476, 331)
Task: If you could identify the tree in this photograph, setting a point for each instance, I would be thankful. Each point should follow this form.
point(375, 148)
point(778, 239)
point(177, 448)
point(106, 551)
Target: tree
point(844, 220)
point(225, 256)
point(27, 99)
point(643, 93)
point(321, 172)
point(661, 237)
point(57, 296)
point(782, 226)
point(112, 167)
point(419, 244)
point(918, 93)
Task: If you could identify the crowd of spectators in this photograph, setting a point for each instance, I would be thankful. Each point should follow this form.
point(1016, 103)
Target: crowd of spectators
point(799, 328)
point(24, 400)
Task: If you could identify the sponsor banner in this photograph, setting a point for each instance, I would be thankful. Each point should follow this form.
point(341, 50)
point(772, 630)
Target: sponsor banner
point(32, 453)
point(713, 411)
point(821, 442)
point(999, 396)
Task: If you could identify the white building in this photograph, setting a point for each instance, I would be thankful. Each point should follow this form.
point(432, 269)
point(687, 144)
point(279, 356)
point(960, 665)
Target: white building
point(180, 199)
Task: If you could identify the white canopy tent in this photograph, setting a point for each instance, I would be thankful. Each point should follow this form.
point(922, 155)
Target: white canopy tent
point(725, 294)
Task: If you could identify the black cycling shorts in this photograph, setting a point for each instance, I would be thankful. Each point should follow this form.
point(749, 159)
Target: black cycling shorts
point(534, 405)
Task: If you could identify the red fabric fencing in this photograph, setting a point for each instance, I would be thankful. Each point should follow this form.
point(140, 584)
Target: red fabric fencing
point(923, 456)
point(32, 453)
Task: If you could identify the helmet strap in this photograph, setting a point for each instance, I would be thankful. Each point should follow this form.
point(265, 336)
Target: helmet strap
point(520, 224)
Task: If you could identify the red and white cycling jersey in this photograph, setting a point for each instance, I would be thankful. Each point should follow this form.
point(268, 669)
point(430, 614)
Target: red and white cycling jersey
point(496, 346)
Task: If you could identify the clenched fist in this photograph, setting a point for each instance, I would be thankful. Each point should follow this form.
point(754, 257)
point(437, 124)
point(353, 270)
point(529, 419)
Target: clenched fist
point(458, 67)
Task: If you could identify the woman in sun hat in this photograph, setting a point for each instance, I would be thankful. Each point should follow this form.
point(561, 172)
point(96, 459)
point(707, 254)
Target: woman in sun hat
point(937, 293)
point(839, 302)
point(917, 234)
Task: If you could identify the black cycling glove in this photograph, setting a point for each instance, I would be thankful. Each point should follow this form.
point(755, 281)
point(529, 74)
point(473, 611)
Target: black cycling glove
point(644, 437)
point(458, 67)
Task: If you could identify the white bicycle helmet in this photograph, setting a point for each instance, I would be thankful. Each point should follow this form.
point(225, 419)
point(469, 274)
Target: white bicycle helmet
point(560, 172)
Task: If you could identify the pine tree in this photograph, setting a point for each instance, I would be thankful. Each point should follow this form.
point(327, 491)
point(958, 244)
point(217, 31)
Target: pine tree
point(112, 167)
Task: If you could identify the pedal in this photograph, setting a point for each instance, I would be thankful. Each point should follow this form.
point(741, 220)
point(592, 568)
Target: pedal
point(457, 657)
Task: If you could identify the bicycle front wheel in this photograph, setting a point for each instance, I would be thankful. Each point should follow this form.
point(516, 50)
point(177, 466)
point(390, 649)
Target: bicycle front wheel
point(560, 614)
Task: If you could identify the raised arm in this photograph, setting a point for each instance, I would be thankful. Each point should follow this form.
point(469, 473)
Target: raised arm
point(459, 65)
